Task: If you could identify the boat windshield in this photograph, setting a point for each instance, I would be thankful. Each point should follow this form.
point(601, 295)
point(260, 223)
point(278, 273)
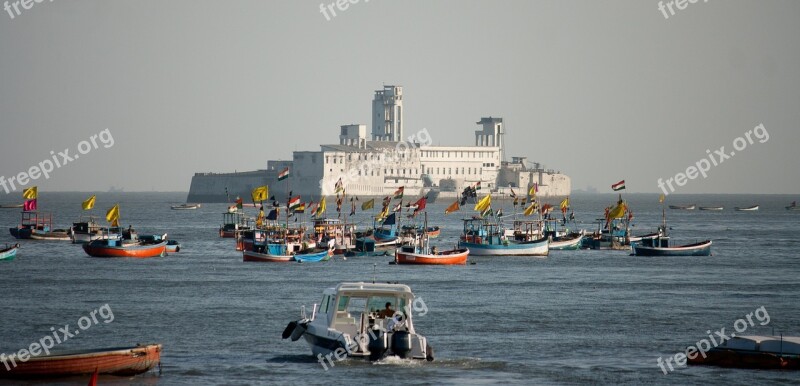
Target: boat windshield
point(354, 306)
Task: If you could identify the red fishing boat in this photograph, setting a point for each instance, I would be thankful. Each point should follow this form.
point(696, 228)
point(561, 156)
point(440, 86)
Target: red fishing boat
point(123, 361)
point(418, 251)
point(128, 244)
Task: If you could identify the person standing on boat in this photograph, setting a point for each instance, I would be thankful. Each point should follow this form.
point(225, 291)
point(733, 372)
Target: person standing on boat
point(387, 312)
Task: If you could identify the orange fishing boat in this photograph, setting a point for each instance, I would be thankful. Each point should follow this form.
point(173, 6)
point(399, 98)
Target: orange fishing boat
point(128, 244)
point(122, 361)
point(418, 251)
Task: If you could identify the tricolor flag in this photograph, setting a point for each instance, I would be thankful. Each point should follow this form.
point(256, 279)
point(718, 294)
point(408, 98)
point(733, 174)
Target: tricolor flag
point(239, 203)
point(452, 208)
point(294, 203)
point(89, 203)
point(618, 186)
point(487, 212)
point(321, 208)
point(399, 192)
point(30, 193)
point(284, 174)
point(478, 186)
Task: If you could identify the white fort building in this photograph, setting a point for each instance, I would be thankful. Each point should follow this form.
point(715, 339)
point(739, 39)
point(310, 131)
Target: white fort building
point(389, 158)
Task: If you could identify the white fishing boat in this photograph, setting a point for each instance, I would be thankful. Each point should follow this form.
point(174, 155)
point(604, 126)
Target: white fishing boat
point(362, 320)
point(185, 207)
point(747, 208)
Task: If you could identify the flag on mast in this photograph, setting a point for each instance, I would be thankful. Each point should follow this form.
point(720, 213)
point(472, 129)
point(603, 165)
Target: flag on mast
point(284, 174)
point(89, 203)
point(618, 186)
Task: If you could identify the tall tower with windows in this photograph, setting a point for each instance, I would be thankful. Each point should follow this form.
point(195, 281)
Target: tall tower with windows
point(491, 134)
point(387, 114)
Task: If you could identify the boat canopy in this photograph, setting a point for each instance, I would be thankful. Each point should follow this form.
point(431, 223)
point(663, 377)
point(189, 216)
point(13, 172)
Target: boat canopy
point(770, 344)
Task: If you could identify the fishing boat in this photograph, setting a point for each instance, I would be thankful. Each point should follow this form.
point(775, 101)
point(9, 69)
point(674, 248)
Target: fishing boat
point(233, 222)
point(86, 230)
point(753, 352)
point(660, 245)
point(366, 247)
point(418, 251)
point(128, 244)
point(432, 231)
point(275, 246)
point(334, 230)
point(362, 320)
point(8, 253)
point(562, 240)
point(120, 361)
point(185, 207)
point(645, 248)
point(712, 208)
point(485, 238)
point(387, 231)
point(31, 221)
point(683, 207)
point(793, 206)
point(747, 208)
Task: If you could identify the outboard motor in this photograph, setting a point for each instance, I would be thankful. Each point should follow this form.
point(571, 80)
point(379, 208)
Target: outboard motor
point(377, 344)
point(401, 343)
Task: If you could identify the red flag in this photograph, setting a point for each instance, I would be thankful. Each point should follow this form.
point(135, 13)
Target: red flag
point(420, 204)
point(29, 205)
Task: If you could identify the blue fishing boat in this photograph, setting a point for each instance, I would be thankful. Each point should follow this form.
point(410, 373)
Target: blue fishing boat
point(484, 238)
point(387, 231)
point(8, 253)
point(312, 257)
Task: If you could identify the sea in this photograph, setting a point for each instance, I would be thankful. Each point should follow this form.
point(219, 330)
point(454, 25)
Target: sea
point(574, 317)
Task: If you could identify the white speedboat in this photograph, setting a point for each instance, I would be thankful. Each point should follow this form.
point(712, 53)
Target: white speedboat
point(362, 320)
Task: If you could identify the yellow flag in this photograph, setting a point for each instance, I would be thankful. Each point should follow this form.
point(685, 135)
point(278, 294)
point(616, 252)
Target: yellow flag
point(321, 208)
point(532, 191)
point(452, 208)
point(383, 214)
point(30, 193)
point(565, 203)
point(531, 209)
point(89, 203)
point(618, 211)
point(260, 193)
point(484, 203)
point(112, 215)
point(661, 199)
point(368, 205)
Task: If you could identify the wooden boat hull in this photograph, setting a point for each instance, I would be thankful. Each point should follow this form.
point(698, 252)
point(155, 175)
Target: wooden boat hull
point(312, 257)
point(114, 361)
point(527, 248)
point(8, 254)
point(712, 208)
point(747, 209)
point(696, 249)
point(100, 248)
point(21, 233)
point(567, 245)
point(51, 236)
point(453, 257)
point(255, 257)
point(227, 234)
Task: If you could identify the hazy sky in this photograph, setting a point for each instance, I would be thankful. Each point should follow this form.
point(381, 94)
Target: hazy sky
point(601, 90)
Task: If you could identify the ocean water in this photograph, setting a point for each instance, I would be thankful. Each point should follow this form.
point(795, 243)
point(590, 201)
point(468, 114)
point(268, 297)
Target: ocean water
point(575, 317)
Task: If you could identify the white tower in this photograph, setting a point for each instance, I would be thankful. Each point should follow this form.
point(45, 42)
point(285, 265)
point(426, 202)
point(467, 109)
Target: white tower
point(387, 114)
point(491, 134)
